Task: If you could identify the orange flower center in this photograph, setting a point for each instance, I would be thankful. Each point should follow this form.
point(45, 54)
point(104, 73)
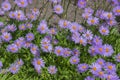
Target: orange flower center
point(118, 11)
point(103, 30)
point(92, 21)
point(38, 62)
point(110, 67)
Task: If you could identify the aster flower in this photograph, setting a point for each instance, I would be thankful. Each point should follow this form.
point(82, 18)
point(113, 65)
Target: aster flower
point(52, 69)
point(42, 28)
point(111, 77)
point(82, 41)
point(58, 9)
point(64, 23)
point(66, 52)
point(108, 15)
point(117, 57)
point(11, 28)
point(88, 10)
point(100, 74)
point(6, 36)
point(12, 48)
point(81, 29)
point(6, 6)
point(99, 13)
point(52, 31)
point(46, 47)
point(110, 67)
point(30, 1)
point(97, 40)
point(19, 43)
point(100, 61)
point(35, 11)
point(12, 14)
point(55, 1)
point(93, 21)
point(27, 44)
point(1, 65)
point(14, 68)
point(95, 67)
point(82, 67)
point(75, 52)
point(58, 50)
point(81, 3)
point(45, 41)
point(74, 60)
point(86, 15)
point(19, 62)
point(2, 12)
point(1, 24)
point(89, 78)
point(38, 62)
point(74, 27)
point(29, 25)
point(21, 3)
point(104, 30)
point(34, 49)
point(116, 10)
point(100, 49)
point(75, 37)
point(92, 50)
point(19, 15)
point(29, 36)
point(22, 27)
point(108, 50)
point(31, 16)
point(88, 35)
point(111, 22)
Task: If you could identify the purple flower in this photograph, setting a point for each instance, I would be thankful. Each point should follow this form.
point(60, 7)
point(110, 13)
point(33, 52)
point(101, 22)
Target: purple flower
point(81, 3)
point(74, 60)
point(81, 29)
point(22, 27)
point(42, 28)
point(92, 50)
point(111, 77)
point(45, 41)
point(30, 36)
point(89, 78)
point(21, 3)
point(100, 74)
point(100, 61)
point(93, 21)
point(99, 13)
point(35, 11)
point(6, 36)
point(108, 50)
point(6, 6)
point(19, 43)
point(32, 16)
point(29, 25)
point(82, 41)
point(104, 30)
point(34, 50)
point(14, 68)
point(19, 62)
point(89, 10)
point(75, 52)
point(1, 24)
point(100, 49)
point(86, 15)
point(12, 48)
point(116, 10)
point(64, 23)
point(2, 12)
point(117, 57)
point(95, 67)
point(19, 15)
point(12, 14)
point(97, 40)
point(1, 65)
point(58, 9)
point(82, 67)
point(66, 52)
point(38, 63)
point(46, 47)
point(73, 27)
point(112, 22)
point(88, 35)
point(108, 15)
point(11, 28)
point(55, 1)
point(58, 50)
point(27, 44)
point(52, 69)
point(53, 31)
point(110, 67)
point(75, 37)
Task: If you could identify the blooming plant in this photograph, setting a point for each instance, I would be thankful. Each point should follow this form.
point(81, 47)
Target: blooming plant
point(60, 40)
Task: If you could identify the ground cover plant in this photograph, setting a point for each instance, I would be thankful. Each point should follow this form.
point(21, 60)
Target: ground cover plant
point(59, 40)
